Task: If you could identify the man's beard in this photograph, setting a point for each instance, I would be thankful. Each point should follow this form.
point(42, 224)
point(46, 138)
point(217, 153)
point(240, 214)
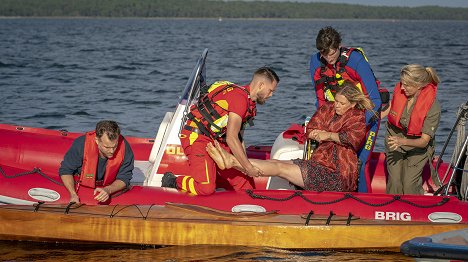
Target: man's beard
point(261, 100)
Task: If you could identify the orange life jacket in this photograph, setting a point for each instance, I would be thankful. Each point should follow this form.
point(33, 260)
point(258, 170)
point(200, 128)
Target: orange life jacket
point(421, 107)
point(211, 118)
point(90, 162)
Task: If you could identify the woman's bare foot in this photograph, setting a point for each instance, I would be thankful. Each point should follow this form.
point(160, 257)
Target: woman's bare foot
point(216, 155)
point(228, 159)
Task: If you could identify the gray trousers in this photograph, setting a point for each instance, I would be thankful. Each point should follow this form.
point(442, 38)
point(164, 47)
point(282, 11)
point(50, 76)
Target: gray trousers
point(405, 172)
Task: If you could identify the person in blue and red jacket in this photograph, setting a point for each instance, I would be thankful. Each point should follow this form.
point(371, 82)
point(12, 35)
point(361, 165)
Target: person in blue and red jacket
point(102, 158)
point(221, 114)
point(330, 68)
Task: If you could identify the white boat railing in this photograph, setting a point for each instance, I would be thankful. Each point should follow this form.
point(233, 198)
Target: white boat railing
point(172, 124)
point(192, 89)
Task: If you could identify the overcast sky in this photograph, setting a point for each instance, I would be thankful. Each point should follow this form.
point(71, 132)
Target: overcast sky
point(448, 3)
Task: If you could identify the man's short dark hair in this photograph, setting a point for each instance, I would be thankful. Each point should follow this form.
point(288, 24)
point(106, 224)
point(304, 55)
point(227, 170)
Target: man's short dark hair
point(267, 72)
point(111, 128)
point(327, 38)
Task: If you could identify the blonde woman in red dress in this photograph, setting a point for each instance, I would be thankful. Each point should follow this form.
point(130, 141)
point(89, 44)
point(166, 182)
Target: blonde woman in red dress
point(340, 129)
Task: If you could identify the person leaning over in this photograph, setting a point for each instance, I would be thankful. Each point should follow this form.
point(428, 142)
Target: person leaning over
point(413, 118)
point(340, 129)
point(221, 115)
point(103, 159)
point(333, 65)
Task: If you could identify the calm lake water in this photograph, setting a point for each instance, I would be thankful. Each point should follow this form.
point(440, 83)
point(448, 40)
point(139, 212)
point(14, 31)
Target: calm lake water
point(70, 73)
point(21, 251)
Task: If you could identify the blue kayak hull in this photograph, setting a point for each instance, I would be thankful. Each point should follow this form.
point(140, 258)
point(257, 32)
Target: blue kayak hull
point(448, 245)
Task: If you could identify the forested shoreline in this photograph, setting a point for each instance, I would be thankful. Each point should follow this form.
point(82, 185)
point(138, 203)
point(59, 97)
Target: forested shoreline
point(224, 9)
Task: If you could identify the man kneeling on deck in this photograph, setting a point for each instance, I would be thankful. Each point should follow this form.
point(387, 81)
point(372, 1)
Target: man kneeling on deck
point(104, 160)
point(221, 114)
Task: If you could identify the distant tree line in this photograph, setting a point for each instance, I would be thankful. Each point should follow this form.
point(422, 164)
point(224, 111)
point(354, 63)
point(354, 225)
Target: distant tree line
point(217, 8)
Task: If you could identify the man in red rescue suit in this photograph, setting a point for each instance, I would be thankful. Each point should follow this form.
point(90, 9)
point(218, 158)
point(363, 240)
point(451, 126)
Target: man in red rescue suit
point(333, 65)
point(221, 114)
point(102, 158)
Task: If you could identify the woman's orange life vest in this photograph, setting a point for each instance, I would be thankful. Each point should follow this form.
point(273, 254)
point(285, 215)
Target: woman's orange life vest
point(209, 116)
point(421, 107)
point(90, 162)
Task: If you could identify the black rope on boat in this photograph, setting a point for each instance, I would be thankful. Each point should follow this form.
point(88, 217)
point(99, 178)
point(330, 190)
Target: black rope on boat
point(345, 196)
point(147, 212)
point(442, 202)
point(114, 214)
point(63, 132)
point(398, 198)
point(308, 217)
point(67, 209)
point(440, 189)
point(38, 205)
point(253, 195)
point(395, 198)
point(348, 221)
point(295, 194)
point(34, 171)
point(19, 174)
point(329, 218)
point(48, 178)
point(324, 202)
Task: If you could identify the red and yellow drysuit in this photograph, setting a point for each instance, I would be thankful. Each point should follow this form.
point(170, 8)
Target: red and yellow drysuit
point(207, 121)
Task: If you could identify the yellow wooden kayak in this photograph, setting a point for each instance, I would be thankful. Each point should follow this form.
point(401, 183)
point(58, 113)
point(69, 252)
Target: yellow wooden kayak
point(184, 224)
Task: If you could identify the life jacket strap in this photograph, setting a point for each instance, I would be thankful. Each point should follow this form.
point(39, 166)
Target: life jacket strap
point(325, 79)
point(206, 115)
point(201, 128)
point(250, 121)
point(207, 105)
point(193, 129)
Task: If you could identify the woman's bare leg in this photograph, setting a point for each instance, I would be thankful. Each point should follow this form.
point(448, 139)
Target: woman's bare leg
point(282, 168)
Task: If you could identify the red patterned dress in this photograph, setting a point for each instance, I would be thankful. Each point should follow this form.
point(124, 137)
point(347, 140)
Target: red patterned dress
point(334, 166)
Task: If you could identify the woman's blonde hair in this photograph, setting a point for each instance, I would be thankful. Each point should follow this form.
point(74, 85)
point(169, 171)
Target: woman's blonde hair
point(354, 95)
point(418, 76)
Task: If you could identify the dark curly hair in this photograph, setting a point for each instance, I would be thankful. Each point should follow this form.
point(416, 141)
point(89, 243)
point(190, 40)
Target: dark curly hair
point(111, 128)
point(327, 38)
